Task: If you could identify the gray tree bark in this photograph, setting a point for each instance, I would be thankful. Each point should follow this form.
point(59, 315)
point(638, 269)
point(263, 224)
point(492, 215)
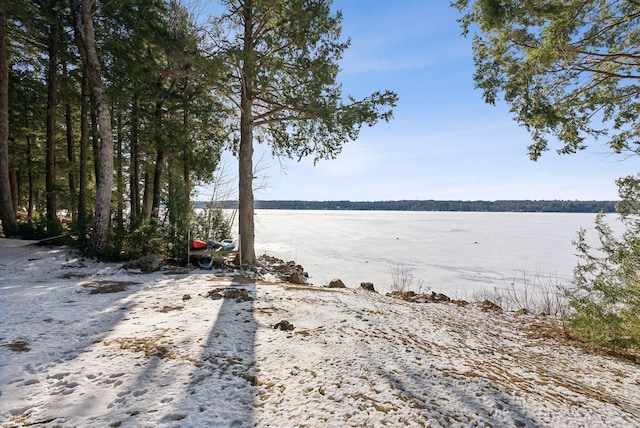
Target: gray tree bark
point(85, 39)
point(246, 225)
point(52, 103)
point(7, 213)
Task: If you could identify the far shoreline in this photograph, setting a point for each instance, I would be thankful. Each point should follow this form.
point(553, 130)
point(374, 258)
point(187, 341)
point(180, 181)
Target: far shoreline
point(528, 206)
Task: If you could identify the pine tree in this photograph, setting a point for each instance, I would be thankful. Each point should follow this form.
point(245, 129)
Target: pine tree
point(283, 68)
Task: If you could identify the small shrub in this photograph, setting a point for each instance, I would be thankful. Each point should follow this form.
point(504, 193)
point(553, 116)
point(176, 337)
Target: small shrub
point(401, 278)
point(211, 223)
point(146, 238)
point(39, 228)
point(402, 281)
point(536, 296)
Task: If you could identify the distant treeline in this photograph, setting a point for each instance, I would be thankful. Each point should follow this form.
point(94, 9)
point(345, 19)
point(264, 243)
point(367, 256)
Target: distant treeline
point(431, 205)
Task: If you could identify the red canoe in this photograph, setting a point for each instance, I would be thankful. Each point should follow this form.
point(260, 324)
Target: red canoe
point(197, 244)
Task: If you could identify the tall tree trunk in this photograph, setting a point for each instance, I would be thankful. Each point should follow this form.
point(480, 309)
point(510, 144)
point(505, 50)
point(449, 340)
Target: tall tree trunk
point(72, 161)
point(14, 180)
point(95, 139)
point(172, 195)
point(147, 195)
point(84, 157)
point(85, 39)
point(52, 83)
point(134, 168)
point(31, 196)
point(186, 158)
point(119, 173)
point(7, 213)
point(157, 183)
point(159, 165)
point(245, 192)
point(245, 154)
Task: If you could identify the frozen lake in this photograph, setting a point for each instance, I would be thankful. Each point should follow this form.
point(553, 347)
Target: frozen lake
point(456, 253)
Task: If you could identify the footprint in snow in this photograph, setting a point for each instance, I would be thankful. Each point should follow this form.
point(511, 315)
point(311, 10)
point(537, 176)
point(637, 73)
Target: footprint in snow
point(139, 393)
point(59, 376)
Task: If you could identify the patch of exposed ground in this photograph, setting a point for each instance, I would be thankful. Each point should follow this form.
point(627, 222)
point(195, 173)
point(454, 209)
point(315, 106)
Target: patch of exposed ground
point(106, 287)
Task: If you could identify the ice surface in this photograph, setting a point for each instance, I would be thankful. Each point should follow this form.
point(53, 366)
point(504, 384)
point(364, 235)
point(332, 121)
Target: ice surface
point(456, 253)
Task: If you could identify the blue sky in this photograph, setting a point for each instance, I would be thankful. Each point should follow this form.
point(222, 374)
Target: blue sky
point(444, 141)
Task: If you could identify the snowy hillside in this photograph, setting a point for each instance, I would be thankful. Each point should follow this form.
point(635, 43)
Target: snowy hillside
point(88, 344)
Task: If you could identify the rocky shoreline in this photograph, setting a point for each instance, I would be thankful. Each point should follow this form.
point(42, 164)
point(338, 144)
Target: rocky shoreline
point(273, 269)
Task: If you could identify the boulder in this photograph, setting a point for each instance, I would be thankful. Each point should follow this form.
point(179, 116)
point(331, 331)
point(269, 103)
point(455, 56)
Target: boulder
point(367, 286)
point(297, 277)
point(487, 305)
point(240, 294)
point(284, 325)
point(216, 296)
point(146, 264)
point(336, 283)
point(439, 297)
point(443, 298)
point(285, 271)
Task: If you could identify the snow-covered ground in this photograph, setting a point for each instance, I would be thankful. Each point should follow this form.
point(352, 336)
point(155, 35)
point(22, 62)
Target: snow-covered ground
point(92, 345)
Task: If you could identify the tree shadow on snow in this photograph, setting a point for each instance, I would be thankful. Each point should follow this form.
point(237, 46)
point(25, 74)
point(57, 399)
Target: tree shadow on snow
point(221, 390)
point(59, 319)
point(475, 398)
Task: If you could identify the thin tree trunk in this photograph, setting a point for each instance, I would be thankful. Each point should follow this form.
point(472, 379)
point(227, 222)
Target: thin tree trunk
point(52, 83)
point(159, 165)
point(72, 161)
point(134, 168)
point(14, 179)
point(95, 139)
point(84, 157)
point(172, 195)
point(7, 213)
point(157, 183)
point(148, 191)
point(85, 39)
point(186, 167)
point(30, 204)
point(119, 173)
